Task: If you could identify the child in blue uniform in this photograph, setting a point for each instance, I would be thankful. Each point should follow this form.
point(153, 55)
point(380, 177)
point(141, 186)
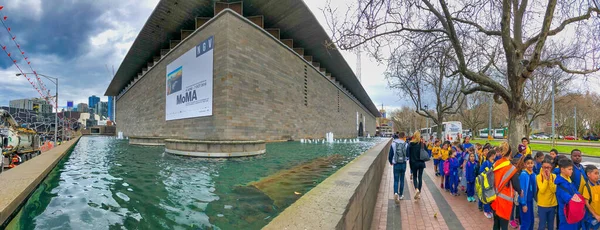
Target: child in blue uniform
point(528, 188)
point(454, 165)
point(565, 191)
point(470, 171)
point(487, 165)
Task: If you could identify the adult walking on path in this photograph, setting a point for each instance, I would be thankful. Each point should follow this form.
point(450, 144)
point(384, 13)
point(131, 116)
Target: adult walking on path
point(416, 164)
point(398, 157)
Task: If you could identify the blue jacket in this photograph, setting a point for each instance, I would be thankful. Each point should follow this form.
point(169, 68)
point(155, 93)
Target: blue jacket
point(563, 198)
point(536, 168)
point(454, 165)
point(529, 187)
point(486, 164)
point(578, 173)
point(467, 145)
point(470, 171)
point(556, 171)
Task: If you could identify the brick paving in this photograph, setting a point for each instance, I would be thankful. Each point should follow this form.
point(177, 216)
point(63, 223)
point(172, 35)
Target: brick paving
point(425, 213)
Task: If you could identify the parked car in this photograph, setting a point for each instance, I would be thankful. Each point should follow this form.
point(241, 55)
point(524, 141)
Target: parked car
point(570, 138)
point(591, 137)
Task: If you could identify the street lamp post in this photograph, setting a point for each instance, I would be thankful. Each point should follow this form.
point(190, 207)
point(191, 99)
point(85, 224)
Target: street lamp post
point(55, 81)
point(553, 122)
point(575, 123)
point(490, 119)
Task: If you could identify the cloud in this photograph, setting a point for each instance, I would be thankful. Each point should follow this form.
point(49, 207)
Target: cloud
point(73, 40)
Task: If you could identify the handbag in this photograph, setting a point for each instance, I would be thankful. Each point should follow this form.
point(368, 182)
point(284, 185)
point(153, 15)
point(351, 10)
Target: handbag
point(424, 155)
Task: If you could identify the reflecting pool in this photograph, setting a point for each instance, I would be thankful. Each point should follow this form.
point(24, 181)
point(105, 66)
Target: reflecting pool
point(105, 183)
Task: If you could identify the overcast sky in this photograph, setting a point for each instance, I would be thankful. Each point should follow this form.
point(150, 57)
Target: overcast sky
point(76, 40)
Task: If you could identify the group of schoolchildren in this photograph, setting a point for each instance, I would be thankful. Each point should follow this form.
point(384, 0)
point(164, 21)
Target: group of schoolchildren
point(548, 182)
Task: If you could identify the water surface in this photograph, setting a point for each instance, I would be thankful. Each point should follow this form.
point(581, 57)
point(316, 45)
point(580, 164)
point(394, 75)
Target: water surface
point(105, 183)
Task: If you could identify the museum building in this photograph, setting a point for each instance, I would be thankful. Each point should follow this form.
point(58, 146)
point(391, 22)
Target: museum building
point(216, 79)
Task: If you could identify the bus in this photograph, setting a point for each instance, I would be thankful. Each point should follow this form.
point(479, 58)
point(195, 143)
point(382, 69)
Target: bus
point(426, 133)
point(451, 131)
point(496, 133)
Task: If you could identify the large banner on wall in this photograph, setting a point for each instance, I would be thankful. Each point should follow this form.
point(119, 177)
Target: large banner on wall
point(189, 80)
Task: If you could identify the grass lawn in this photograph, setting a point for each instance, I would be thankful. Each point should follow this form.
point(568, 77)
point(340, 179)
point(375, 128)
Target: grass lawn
point(589, 151)
point(581, 141)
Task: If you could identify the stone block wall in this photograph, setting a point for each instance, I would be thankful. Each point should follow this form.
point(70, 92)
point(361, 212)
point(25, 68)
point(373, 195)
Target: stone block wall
point(258, 93)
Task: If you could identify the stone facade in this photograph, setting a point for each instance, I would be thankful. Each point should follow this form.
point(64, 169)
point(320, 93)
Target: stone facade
point(258, 92)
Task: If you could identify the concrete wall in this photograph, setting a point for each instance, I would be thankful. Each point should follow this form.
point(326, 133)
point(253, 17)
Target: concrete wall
point(258, 93)
point(345, 200)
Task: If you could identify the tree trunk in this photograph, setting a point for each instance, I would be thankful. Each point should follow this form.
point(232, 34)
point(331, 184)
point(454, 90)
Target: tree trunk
point(517, 126)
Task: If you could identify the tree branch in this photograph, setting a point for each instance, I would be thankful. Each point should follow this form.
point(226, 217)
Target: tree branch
point(562, 26)
point(567, 70)
point(477, 89)
point(479, 27)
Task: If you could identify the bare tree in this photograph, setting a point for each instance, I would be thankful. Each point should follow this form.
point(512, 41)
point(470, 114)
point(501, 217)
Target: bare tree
point(497, 45)
point(406, 120)
point(538, 92)
point(474, 111)
point(427, 75)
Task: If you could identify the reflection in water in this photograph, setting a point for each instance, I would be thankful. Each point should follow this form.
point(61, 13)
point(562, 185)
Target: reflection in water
point(108, 184)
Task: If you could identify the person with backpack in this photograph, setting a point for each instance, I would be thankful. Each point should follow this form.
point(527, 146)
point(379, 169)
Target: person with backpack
point(546, 196)
point(485, 166)
point(397, 157)
point(417, 166)
point(506, 183)
point(591, 194)
point(528, 191)
point(571, 207)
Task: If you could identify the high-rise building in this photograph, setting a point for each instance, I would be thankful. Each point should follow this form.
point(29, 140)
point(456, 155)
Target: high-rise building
point(111, 108)
point(101, 109)
point(93, 100)
point(82, 107)
point(36, 104)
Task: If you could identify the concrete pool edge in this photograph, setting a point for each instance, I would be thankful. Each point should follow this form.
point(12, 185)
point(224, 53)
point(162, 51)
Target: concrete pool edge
point(345, 200)
point(17, 184)
point(147, 141)
point(219, 149)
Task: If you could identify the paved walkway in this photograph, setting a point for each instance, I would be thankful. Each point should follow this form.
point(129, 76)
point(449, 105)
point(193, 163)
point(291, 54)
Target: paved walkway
point(457, 212)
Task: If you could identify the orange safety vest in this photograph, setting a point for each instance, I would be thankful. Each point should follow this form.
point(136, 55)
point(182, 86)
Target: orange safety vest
point(503, 172)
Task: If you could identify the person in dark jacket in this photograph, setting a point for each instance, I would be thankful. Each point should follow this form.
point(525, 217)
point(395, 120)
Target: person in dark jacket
point(417, 166)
